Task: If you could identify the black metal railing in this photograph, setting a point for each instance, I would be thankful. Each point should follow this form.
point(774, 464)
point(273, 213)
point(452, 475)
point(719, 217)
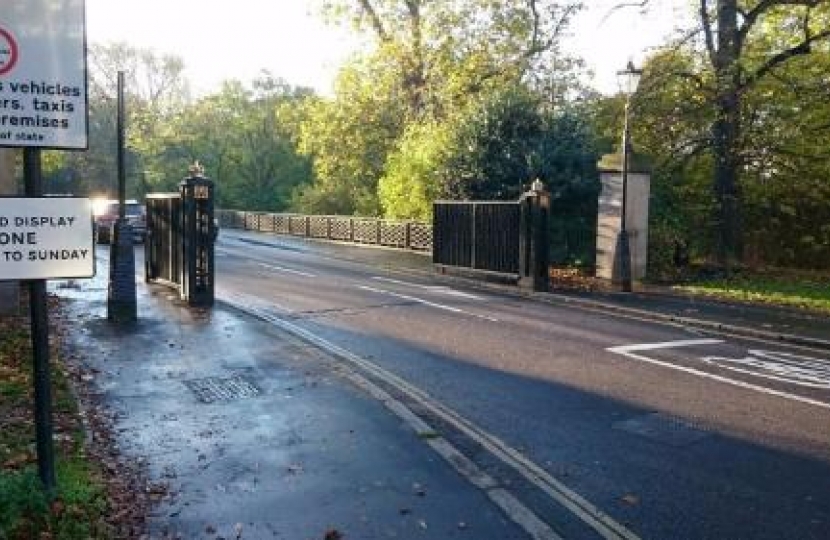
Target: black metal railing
point(479, 235)
point(163, 245)
point(178, 250)
point(409, 235)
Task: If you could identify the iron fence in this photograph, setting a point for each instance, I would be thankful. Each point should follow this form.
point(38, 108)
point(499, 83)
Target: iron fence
point(409, 235)
point(480, 235)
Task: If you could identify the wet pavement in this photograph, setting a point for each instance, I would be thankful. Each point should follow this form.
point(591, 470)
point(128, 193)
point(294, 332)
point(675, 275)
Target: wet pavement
point(258, 435)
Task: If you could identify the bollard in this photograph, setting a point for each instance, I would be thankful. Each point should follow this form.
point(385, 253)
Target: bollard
point(121, 295)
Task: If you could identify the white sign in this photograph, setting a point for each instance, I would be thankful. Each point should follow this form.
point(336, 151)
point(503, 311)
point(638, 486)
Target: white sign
point(43, 93)
point(44, 238)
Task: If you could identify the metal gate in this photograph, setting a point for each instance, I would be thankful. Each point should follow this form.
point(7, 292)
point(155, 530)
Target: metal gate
point(180, 235)
point(163, 244)
point(479, 235)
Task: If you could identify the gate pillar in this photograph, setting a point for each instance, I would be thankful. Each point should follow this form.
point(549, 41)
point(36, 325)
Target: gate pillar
point(533, 238)
point(197, 280)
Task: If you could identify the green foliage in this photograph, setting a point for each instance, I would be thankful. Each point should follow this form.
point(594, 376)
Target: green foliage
point(780, 152)
point(802, 290)
point(244, 137)
point(415, 171)
point(495, 147)
point(494, 150)
point(421, 114)
point(23, 500)
point(79, 508)
point(77, 514)
point(349, 139)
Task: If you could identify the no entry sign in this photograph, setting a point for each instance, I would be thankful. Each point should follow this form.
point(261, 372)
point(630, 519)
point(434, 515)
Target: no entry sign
point(45, 238)
point(43, 90)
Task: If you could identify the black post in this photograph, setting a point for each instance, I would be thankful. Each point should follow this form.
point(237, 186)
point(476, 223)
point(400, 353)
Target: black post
point(122, 171)
point(121, 300)
point(40, 343)
point(623, 249)
point(533, 238)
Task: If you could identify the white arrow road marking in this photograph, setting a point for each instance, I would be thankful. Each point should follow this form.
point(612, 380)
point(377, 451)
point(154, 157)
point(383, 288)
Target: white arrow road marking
point(287, 270)
point(630, 351)
point(779, 366)
point(426, 302)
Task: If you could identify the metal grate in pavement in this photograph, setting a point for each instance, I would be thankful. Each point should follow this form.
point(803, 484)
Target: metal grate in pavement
point(213, 389)
point(663, 429)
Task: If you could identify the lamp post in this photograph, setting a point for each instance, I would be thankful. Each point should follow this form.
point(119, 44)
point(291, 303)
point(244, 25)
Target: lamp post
point(628, 79)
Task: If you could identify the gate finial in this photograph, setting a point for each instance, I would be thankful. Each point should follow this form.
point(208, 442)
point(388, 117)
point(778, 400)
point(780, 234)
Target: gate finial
point(196, 169)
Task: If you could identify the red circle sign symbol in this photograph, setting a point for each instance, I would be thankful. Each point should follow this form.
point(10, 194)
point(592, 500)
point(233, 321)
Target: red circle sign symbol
point(8, 51)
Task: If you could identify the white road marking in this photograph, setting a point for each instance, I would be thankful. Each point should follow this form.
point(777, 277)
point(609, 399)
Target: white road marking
point(287, 270)
point(664, 345)
point(630, 351)
point(426, 302)
point(434, 288)
point(592, 516)
point(779, 366)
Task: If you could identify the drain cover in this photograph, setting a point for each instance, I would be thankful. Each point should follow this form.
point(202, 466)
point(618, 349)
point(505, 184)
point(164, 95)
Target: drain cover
point(213, 389)
point(662, 428)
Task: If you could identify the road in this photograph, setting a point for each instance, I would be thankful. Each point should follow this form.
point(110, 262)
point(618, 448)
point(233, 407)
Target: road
point(601, 426)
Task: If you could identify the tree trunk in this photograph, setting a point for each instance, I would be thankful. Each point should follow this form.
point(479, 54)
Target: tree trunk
point(727, 192)
point(725, 134)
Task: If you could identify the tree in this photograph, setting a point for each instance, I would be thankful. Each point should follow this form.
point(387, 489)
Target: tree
point(736, 38)
point(348, 139)
point(431, 63)
point(155, 91)
point(245, 137)
point(731, 121)
point(494, 150)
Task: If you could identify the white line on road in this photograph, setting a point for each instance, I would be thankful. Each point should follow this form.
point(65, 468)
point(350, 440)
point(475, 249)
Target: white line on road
point(589, 514)
point(426, 302)
point(434, 288)
point(664, 345)
point(287, 270)
point(629, 352)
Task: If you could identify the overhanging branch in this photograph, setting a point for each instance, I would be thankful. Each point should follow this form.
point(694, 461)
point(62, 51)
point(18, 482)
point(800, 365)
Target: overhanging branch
point(774, 61)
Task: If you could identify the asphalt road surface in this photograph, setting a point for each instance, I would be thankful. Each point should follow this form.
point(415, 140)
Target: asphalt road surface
point(602, 426)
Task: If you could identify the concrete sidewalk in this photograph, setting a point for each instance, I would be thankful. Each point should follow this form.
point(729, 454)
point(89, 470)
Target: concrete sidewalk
point(259, 435)
point(789, 325)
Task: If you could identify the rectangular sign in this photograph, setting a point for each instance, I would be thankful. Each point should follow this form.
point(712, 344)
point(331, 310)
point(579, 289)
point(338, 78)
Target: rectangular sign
point(43, 79)
point(46, 238)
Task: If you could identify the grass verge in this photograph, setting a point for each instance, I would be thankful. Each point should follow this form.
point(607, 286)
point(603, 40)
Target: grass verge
point(78, 509)
point(804, 291)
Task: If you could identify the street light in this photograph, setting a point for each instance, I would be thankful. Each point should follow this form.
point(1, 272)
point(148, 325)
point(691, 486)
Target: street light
point(628, 80)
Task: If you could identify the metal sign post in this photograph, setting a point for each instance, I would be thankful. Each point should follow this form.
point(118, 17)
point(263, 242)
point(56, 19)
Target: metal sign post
point(40, 343)
point(121, 298)
point(43, 101)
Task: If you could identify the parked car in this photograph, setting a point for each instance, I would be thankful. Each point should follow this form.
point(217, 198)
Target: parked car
point(106, 212)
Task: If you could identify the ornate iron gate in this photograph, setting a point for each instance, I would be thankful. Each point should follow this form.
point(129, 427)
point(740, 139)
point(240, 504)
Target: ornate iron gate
point(180, 235)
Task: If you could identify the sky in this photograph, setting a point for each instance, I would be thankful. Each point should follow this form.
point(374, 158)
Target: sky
point(239, 39)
